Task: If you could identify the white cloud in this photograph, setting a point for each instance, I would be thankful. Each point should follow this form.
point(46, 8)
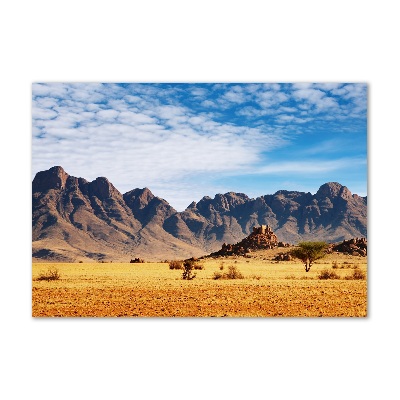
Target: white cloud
point(327, 86)
point(310, 167)
point(46, 102)
point(132, 99)
point(49, 90)
point(302, 85)
point(234, 96)
point(199, 92)
point(208, 103)
point(292, 119)
point(43, 113)
point(272, 86)
point(316, 97)
point(133, 118)
point(197, 120)
point(270, 98)
point(107, 115)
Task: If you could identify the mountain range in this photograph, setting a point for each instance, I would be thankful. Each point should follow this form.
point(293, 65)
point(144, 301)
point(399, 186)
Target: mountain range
point(77, 220)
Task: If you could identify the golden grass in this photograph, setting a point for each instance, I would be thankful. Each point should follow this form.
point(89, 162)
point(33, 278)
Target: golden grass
point(152, 289)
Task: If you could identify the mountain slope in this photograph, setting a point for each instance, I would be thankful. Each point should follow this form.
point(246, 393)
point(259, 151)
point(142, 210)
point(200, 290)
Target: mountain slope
point(332, 214)
point(76, 219)
point(73, 219)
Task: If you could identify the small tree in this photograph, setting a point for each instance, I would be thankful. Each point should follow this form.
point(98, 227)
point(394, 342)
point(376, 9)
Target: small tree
point(308, 252)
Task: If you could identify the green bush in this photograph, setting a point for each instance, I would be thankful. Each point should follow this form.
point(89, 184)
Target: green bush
point(309, 252)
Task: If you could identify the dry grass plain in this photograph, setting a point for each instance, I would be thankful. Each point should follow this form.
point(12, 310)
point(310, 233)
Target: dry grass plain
point(269, 289)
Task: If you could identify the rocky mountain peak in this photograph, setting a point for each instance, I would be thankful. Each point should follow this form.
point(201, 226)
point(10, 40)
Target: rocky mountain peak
point(236, 198)
point(192, 205)
point(138, 198)
point(102, 188)
point(54, 178)
point(331, 190)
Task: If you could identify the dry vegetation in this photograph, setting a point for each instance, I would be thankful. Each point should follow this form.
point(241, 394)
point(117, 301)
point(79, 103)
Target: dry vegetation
point(266, 288)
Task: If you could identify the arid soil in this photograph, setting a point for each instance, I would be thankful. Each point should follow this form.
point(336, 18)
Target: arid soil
point(269, 288)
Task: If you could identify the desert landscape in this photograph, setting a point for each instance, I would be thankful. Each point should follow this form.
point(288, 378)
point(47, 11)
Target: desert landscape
point(199, 200)
point(268, 289)
point(258, 276)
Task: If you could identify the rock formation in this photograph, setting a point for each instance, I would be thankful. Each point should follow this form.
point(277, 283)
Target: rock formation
point(262, 238)
point(353, 247)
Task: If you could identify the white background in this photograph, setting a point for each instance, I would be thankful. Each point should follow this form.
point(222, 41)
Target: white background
point(192, 41)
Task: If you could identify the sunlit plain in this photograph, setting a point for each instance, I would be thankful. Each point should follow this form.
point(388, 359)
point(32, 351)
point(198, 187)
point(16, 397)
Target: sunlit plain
point(153, 290)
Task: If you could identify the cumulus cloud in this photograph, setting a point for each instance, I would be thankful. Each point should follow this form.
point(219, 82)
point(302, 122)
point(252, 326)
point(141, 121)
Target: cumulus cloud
point(208, 103)
point(316, 97)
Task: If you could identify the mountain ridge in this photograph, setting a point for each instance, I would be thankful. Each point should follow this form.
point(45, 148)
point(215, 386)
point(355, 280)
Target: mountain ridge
point(74, 219)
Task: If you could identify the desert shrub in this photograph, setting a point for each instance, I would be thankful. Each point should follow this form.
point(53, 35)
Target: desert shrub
point(357, 274)
point(290, 277)
point(51, 274)
point(188, 266)
point(326, 274)
point(198, 266)
point(233, 273)
point(175, 265)
point(335, 265)
point(257, 277)
point(221, 266)
point(217, 275)
point(136, 260)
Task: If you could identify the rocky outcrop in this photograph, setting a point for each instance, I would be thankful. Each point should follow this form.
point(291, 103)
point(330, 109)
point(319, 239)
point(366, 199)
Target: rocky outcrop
point(262, 238)
point(353, 247)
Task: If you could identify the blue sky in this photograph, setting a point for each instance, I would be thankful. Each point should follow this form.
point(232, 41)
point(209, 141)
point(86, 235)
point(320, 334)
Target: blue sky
point(185, 141)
